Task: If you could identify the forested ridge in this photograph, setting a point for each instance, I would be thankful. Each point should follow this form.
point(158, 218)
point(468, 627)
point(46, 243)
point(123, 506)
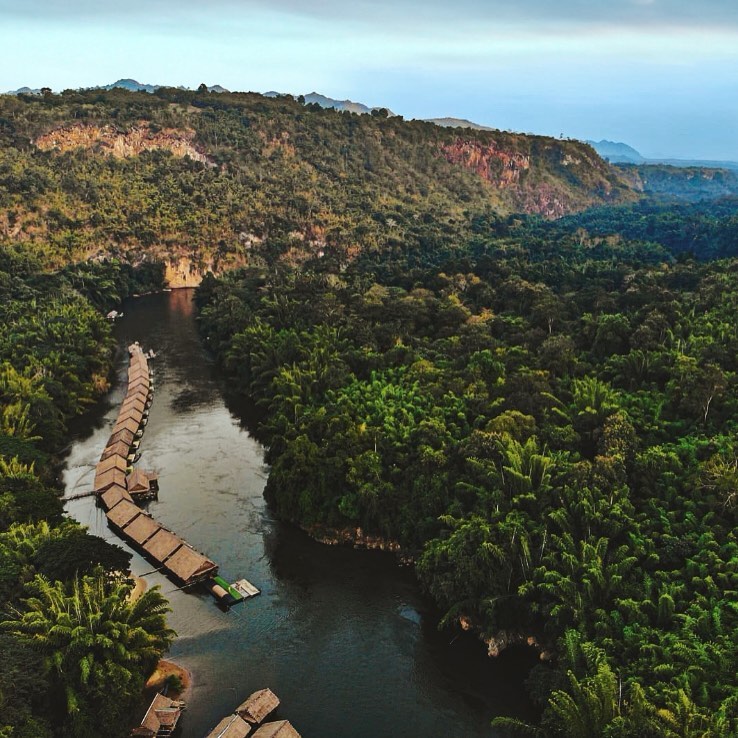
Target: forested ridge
point(264, 178)
point(545, 420)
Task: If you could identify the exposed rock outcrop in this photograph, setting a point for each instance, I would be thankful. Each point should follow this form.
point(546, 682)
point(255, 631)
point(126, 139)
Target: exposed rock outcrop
point(185, 272)
point(538, 175)
point(121, 144)
point(501, 168)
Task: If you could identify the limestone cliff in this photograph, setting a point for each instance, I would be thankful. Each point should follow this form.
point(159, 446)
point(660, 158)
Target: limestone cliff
point(501, 168)
point(121, 144)
point(539, 175)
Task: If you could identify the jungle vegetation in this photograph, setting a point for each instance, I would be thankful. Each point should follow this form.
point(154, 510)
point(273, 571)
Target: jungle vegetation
point(542, 412)
point(75, 650)
point(545, 420)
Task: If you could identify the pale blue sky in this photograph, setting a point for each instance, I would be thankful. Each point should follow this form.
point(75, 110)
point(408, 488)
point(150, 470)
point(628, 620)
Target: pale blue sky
point(661, 75)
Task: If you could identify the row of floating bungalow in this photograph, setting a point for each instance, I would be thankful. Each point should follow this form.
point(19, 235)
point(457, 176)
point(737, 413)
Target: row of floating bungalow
point(250, 716)
point(119, 486)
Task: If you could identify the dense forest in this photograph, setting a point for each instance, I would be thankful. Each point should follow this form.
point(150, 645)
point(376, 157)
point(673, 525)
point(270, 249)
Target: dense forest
point(545, 422)
point(75, 649)
point(482, 347)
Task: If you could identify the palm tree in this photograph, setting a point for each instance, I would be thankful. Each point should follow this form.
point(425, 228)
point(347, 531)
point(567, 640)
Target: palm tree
point(97, 644)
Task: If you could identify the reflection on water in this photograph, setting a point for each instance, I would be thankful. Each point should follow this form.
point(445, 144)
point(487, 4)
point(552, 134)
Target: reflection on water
point(338, 634)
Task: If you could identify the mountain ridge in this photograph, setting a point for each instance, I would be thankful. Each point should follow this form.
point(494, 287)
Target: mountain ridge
point(237, 176)
point(615, 152)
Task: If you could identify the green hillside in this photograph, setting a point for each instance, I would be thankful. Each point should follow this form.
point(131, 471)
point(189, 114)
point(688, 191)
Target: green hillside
point(210, 180)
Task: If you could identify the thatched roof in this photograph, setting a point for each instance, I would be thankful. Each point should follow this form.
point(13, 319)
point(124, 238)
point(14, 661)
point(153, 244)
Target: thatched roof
point(111, 462)
point(130, 412)
point(113, 495)
point(162, 712)
point(140, 481)
point(139, 387)
point(136, 378)
point(123, 513)
point(142, 528)
point(188, 564)
point(280, 729)
point(127, 423)
point(108, 478)
point(119, 448)
point(258, 706)
point(230, 727)
point(134, 402)
point(162, 545)
point(138, 371)
point(122, 434)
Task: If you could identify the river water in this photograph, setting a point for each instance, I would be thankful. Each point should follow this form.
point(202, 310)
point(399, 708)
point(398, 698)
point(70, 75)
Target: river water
point(343, 637)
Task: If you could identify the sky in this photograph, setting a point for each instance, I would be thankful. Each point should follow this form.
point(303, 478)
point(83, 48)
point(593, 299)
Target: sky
point(660, 75)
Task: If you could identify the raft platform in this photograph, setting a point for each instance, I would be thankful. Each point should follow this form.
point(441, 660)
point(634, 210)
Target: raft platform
point(119, 486)
point(231, 594)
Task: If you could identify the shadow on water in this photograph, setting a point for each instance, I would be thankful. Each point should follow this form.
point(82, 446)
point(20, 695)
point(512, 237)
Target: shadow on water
point(344, 637)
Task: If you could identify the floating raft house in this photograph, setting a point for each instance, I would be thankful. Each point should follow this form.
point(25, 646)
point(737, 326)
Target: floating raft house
point(230, 727)
point(161, 718)
point(279, 729)
point(249, 714)
point(119, 485)
point(258, 706)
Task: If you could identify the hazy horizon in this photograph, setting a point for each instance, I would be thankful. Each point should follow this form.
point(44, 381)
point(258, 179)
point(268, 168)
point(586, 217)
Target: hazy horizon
point(660, 76)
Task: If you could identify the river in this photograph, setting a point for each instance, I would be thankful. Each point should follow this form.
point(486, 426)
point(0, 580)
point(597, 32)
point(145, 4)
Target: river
point(343, 637)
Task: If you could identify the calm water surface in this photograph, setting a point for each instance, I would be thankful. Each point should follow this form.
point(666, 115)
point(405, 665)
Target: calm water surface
point(338, 634)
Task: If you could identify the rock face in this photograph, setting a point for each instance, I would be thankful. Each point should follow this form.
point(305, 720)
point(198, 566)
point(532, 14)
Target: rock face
point(538, 175)
point(110, 141)
point(185, 272)
point(501, 168)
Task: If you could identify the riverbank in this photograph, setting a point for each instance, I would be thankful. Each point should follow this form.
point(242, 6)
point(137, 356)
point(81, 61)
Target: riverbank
point(139, 587)
point(172, 676)
point(337, 633)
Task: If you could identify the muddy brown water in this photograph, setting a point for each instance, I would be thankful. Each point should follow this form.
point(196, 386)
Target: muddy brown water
point(343, 637)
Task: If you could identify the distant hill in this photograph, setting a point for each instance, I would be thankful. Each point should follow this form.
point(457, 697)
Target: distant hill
point(24, 91)
point(133, 86)
point(617, 152)
point(457, 123)
point(681, 183)
point(129, 84)
point(700, 163)
point(682, 180)
point(330, 102)
point(621, 153)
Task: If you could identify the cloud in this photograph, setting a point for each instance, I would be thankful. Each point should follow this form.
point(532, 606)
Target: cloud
point(419, 13)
